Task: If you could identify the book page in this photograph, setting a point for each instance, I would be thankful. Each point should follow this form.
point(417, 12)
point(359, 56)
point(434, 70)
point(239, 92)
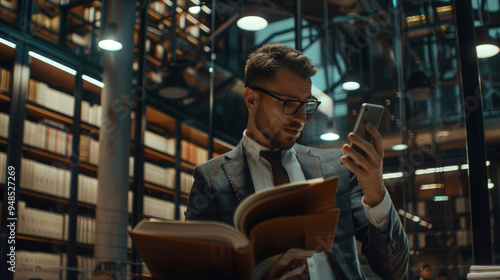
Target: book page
point(253, 199)
point(316, 197)
point(208, 231)
point(306, 232)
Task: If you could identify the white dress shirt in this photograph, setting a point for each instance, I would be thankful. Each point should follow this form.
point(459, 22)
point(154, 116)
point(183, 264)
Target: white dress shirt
point(262, 177)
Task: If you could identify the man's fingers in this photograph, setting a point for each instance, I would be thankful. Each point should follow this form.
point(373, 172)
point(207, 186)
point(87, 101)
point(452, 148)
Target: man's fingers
point(370, 154)
point(377, 138)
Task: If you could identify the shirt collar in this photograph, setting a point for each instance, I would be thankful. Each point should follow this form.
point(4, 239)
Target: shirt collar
point(254, 148)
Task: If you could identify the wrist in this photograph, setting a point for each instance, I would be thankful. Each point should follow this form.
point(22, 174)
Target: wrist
point(374, 199)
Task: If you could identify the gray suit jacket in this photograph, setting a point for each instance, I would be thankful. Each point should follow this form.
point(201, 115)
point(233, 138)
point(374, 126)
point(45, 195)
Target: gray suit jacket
point(223, 182)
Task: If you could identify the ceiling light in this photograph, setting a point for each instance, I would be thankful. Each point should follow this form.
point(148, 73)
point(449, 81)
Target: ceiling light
point(436, 170)
point(52, 62)
point(329, 134)
point(194, 9)
point(419, 85)
point(350, 85)
point(350, 81)
point(93, 81)
point(252, 19)
point(109, 41)
point(7, 43)
point(485, 45)
point(399, 147)
point(431, 186)
point(441, 198)
point(392, 175)
point(252, 23)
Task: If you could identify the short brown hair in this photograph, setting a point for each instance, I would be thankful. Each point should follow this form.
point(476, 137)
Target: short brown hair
point(262, 64)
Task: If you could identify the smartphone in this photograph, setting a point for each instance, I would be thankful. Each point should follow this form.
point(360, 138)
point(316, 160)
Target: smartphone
point(371, 113)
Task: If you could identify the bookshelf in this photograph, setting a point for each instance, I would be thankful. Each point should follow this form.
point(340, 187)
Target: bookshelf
point(55, 106)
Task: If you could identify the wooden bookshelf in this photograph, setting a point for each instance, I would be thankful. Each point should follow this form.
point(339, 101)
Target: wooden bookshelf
point(43, 155)
point(4, 98)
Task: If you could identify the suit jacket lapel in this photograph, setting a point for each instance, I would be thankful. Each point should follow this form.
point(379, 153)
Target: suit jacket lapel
point(311, 165)
point(237, 172)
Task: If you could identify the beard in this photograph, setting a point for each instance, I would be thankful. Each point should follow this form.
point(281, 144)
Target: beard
point(275, 135)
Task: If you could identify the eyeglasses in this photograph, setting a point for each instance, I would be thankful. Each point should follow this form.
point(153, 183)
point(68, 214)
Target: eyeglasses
point(291, 107)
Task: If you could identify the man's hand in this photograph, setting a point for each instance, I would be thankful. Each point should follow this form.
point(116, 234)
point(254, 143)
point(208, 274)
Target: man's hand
point(367, 168)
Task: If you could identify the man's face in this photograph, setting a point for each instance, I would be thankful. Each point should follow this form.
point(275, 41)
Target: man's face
point(279, 129)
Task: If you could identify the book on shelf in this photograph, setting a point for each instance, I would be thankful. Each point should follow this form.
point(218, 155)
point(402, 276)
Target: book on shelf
point(484, 272)
point(4, 80)
point(268, 223)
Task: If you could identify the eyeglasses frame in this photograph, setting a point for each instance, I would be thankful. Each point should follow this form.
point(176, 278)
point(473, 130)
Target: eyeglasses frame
point(265, 91)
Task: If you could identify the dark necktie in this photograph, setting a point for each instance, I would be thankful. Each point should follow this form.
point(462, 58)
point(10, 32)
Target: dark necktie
point(280, 176)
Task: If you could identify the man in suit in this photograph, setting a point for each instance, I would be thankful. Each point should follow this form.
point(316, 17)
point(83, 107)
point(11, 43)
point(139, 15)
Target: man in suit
point(278, 97)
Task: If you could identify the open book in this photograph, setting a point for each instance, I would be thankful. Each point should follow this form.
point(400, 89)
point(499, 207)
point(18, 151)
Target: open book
point(295, 215)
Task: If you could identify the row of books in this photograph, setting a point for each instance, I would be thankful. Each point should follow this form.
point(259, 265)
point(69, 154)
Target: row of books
point(85, 229)
point(38, 265)
point(36, 222)
point(47, 138)
point(89, 150)
point(55, 181)
point(53, 99)
point(155, 207)
point(50, 23)
point(5, 76)
point(91, 114)
point(11, 4)
point(158, 6)
point(3, 167)
point(40, 223)
point(4, 125)
point(58, 141)
point(159, 143)
point(87, 189)
point(44, 178)
point(162, 176)
point(193, 153)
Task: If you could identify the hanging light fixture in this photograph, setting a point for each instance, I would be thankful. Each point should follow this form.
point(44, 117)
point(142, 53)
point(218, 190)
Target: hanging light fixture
point(196, 7)
point(252, 19)
point(329, 134)
point(109, 40)
point(350, 81)
point(485, 45)
point(173, 84)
